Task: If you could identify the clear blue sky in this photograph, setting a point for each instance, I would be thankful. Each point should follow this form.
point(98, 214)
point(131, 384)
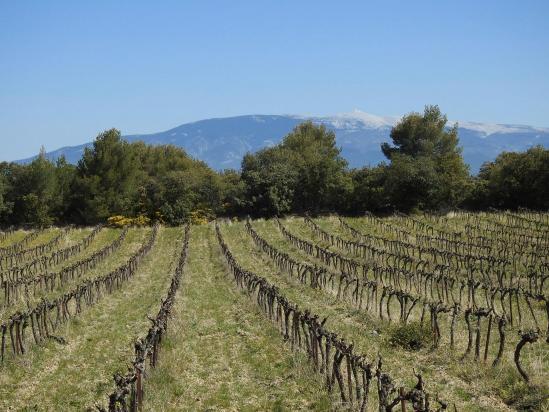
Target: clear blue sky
point(70, 69)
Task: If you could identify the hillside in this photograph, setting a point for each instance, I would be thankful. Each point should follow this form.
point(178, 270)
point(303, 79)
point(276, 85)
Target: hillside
point(223, 142)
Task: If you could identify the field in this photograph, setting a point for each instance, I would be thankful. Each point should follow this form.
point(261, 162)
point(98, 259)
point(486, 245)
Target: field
point(323, 313)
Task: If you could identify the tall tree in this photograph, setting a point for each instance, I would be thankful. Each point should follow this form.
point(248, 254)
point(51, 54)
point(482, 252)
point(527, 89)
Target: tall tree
point(38, 194)
point(321, 170)
point(427, 169)
point(305, 172)
point(270, 181)
point(175, 185)
point(368, 190)
point(233, 192)
point(107, 179)
point(65, 175)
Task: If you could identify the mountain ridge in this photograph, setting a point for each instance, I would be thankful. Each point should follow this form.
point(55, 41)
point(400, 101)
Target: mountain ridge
point(222, 142)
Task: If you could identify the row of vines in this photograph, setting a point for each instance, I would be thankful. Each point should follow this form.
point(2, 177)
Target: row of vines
point(347, 372)
point(383, 278)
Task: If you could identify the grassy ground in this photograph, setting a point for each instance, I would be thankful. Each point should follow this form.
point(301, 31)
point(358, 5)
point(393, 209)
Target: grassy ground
point(43, 237)
point(14, 237)
point(469, 385)
point(532, 358)
point(332, 226)
point(99, 342)
point(472, 385)
point(221, 353)
point(70, 238)
point(454, 224)
point(106, 236)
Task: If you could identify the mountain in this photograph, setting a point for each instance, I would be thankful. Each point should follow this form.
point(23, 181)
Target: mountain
point(223, 142)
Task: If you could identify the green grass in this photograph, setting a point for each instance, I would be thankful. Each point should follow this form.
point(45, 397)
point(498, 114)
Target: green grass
point(106, 236)
point(443, 370)
point(222, 353)
point(535, 357)
point(99, 342)
point(14, 237)
point(44, 236)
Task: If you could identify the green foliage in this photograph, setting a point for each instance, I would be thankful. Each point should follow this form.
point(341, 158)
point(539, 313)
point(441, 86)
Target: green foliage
point(321, 171)
point(419, 135)
point(514, 180)
point(305, 172)
point(107, 179)
point(427, 170)
point(368, 189)
point(411, 336)
point(519, 394)
point(411, 183)
point(65, 174)
point(36, 194)
point(4, 205)
point(34, 211)
point(270, 182)
point(175, 185)
point(115, 178)
point(119, 178)
point(232, 192)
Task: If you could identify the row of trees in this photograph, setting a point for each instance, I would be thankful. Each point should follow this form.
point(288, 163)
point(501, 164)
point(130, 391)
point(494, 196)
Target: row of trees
point(114, 177)
point(305, 172)
point(425, 171)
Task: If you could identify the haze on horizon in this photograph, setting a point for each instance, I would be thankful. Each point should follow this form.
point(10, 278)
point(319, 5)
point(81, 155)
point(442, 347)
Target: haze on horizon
point(70, 70)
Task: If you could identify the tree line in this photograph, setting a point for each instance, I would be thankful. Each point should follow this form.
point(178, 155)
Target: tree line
point(424, 171)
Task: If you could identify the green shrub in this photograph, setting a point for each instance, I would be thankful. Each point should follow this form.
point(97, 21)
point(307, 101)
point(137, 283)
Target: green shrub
point(518, 394)
point(410, 337)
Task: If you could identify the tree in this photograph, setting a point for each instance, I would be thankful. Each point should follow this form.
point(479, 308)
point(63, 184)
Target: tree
point(411, 183)
point(176, 185)
point(305, 172)
point(9, 174)
point(4, 205)
point(65, 175)
point(37, 194)
point(427, 170)
point(107, 179)
point(233, 192)
point(514, 180)
point(323, 183)
point(368, 190)
point(270, 179)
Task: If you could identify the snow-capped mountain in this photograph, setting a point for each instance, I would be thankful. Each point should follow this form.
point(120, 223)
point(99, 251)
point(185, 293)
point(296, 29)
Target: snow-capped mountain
point(223, 142)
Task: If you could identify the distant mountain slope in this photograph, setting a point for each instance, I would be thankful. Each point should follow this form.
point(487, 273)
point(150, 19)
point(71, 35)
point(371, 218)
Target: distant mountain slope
point(223, 142)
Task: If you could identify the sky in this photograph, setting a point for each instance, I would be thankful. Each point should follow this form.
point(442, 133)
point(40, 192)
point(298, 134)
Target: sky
point(69, 70)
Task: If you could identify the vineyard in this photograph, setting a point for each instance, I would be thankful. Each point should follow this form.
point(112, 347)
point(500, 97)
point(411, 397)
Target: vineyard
point(424, 313)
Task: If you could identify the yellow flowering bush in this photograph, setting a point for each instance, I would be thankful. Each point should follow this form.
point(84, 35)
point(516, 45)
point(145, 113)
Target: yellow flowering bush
point(123, 221)
point(201, 216)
